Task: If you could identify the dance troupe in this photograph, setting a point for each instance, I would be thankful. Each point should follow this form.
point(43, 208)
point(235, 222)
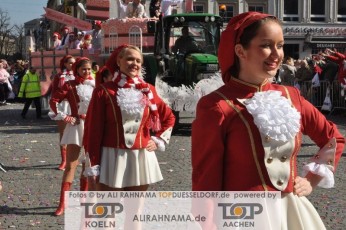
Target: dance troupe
point(246, 135)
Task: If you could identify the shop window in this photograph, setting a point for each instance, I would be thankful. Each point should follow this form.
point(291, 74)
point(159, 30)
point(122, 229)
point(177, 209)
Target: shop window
point(292, 50)
point(291, 11)
point(198, 8)
point(342, 11)
point(318, 11)
point(256, 8)
point(228, 14)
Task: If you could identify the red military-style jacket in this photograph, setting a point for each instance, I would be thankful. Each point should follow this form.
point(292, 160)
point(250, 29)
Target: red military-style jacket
point(105, 126)
point(69, 92)
point(228, 151)
point(58, 82)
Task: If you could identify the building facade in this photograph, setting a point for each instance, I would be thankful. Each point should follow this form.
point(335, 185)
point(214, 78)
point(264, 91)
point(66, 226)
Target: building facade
point(309, 25)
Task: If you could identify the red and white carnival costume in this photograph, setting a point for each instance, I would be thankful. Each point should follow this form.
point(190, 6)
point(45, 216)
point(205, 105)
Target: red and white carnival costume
point(58, 81)
point(253, 139)
point(117, 131)
point(78, 93)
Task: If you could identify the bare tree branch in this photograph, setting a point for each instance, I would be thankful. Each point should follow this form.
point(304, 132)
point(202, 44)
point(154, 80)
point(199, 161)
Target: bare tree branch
point(5, 30)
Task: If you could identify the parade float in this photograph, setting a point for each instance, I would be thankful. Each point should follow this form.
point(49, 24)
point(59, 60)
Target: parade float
point(180, 77)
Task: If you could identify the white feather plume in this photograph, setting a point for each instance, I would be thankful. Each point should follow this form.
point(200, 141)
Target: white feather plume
point(185, 98)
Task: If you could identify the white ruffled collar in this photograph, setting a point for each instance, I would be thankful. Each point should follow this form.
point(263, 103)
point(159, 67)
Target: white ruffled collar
point(274, 115)
point(131, 101)
point(84, 92)
point(67, 74)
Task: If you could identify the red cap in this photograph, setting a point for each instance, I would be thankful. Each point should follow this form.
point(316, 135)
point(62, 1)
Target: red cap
point(87, 37)
point(74, 66)
point(63, 60)
point(230, 37)
point(56, 34)
point(111, 63)
point(98, 23)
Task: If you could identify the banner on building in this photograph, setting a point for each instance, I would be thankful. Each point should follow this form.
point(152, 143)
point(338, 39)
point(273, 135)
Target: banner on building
point(97, 9)
point(67, 19)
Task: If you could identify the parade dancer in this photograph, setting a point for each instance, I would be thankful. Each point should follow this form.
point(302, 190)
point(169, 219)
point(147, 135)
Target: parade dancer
point(121, 115)
point(255, 128)
point(65, 75)
point(78, 93)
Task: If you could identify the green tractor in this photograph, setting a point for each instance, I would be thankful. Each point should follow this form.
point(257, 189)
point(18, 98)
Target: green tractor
point(185, 56)
point(186, 47)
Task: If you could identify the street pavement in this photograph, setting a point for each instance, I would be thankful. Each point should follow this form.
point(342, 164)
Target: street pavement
point(30, 154)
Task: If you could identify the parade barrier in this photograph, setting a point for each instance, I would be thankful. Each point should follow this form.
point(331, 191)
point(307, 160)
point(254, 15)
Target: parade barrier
point(317, 95)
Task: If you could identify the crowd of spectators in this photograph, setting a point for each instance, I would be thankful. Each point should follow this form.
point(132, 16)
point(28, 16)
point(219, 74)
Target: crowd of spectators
point(136, 8)
point(328, 64)
point(316, 75)
point(91, 40)
point(68, 39)
point(11, 74)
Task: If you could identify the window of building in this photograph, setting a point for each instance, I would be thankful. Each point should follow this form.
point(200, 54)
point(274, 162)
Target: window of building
point(318, 11)
point(291, 11)
point(228, 14)
point(292, 50)
point(256, 8)
point(198, 8)
point(341, 11)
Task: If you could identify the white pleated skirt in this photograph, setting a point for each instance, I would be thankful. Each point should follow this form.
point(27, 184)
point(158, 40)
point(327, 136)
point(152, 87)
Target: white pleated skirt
point(299, 214)
point(126, 168)
point(73, 134)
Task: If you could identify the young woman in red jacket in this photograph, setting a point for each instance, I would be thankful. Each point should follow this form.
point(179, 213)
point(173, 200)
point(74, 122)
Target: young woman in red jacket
point(255, 128)
point(65, 75)
point(124, 112)
point(78, 93)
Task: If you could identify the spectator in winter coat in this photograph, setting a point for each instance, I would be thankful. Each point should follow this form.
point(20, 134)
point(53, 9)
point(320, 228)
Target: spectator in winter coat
point(288, 71)
point(340, 59)
point(4, 81)
point(304, 73)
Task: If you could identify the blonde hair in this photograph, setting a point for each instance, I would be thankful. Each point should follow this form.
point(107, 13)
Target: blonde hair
point(122, 52)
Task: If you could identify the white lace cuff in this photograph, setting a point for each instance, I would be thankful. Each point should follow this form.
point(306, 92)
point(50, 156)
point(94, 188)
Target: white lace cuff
point(92, 171)
point(160, 143)
point(56, 117)
point(323, 171)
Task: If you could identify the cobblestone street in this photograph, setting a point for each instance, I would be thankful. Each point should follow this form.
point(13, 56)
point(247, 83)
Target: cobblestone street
point(30, 154)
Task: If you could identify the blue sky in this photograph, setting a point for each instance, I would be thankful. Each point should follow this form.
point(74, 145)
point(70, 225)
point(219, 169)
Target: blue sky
point(21, 11)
